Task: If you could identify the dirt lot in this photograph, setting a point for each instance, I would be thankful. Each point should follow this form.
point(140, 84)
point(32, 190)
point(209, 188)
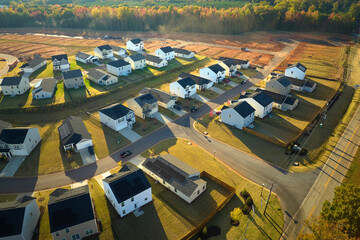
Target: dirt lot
point(152, 45)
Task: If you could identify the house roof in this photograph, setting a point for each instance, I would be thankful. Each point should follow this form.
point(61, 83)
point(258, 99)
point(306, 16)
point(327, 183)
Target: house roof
point(282, 80)
point(296, 82)
point(46, 85)
point(106, 47)
point(229, 62)
point(11, 81)
point(244, 109)
point(13, 135)
point(137, 57)
point(182, 51)
point(167, 49)
point(33, 63)
point(147, 98)
point(276, 97)
point(72, 131)
point(59, 57)
point(161, 96)
point(96, 73)
point(116, 48)
point(12, 216)
point(153, 58)
point(82, 55)
point(118, 63)
point(216, 68)
point(136, 40)
point(69, 207)
point(72, 74)
point(128, 182)
point(116, 111)
point(290, 100)
point(260, 97)
point(237, 61)
point(299, 66)
point(309, 84)
point(186, 82)
point(198, 80)
point(175, 172)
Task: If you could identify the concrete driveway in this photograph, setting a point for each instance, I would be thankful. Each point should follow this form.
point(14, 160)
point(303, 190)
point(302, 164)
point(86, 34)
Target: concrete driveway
point(217, 90)
point(162, 118)
point(86, 157)
point(137, 160)
point(178, 112)
point(233, 84)
point(12, 166)
point(201, 98)
point(130, 134)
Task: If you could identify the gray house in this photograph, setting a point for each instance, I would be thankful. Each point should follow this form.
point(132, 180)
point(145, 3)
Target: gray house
point(73, 134)
point(165, 100)
point(101, 77)
point(73, 79)
point(280, 85)
point(144, 106)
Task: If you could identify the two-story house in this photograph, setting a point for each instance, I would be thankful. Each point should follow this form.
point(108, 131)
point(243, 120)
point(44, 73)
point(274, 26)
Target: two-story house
point(183, 53)
point(296, 70)
point(101, 77)
point(119, 67)
point(165, 99)
point(282, 102)
point(137, 61)
point(104, 52)
point(240, 64)
point(166, 53)
point(201, 83)
point(230, 67)
point(117, 117)
point(279, 84)
point(184, 88)
point(155, 61)
point(238, 115)
point(261, 102)
point(144, 106)
point(85, 58)
point(73, 79)
point(12, 86)
point(135, 44)
point(60, 62)
point(33, 65)
point(45, 88)
point(214, 73)
point(119, 51)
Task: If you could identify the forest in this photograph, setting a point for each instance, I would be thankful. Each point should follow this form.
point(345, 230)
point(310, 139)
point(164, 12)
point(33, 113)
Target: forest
point(150, 15)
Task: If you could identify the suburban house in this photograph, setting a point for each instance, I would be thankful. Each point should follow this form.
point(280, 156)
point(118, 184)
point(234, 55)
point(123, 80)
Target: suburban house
point(118, 50)
point(144, 106)
point(73, 79)
point(166, 53)
point(101, 77)
point(135, 44)
point(261, 102)
point(282, 102)
point(137, 61)
point(279, 84)
point(119, 67)
point(201, 83)
point(85, 58)
point(117, 117)
point(60, 62)
point(302, 85)
point(240, 64)
point(183, 53)
point(45, 88)
point(165, 100)
point(12, 86)
point(18, 141)
point(104, 52)
point(230, 67)
point(19, 218)
point(127, 190)
point(74, 135)
point(296, 70)
point(214, 73)
point(33, 65)
point(71, 214)
point(239, 115)
point(155, 61)
point(184, 88)
point(176, 175)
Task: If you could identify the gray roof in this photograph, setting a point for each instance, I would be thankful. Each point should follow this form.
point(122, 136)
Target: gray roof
point(59, 57)
point(276, 97)
point(290, 100)
point(82, 55)
point(299, 66)
point(229, 62)
point(33, 63)
point(118, 63)
point(296, 82)
point(106, 47)
point(72, 131)
point(116, 48)
point(198, 80)
point(237, 61)
point(11, 81)
point(309, 84)
point(186, 82)
point(244, 109)
point(147, 98)
point(216, 68)
point(161, 96)
point(127, 183)
point(69, 207)
point(175, 172)
point(283, 81)
point(135, 40)
point(137, 57)
point(260, 97)
point(116, 111)
point(153, 58)
point(72, 74)
point(13, 135)
point(96, 73)
point(46, 85)
point(182, 51)
point(166, 49)
point(12, 216)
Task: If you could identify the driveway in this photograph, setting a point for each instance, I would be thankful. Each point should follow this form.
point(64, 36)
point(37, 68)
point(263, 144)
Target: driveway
point(162, 118)
point(201, 98)
point(86, 157)
point(217, 90)
point(137, 160)
point(233, 84)
point(12, 166)
point(130, 134)
point(26, 75)
point(178, 112)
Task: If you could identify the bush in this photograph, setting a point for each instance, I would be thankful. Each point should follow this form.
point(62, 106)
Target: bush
point(249, 201)
point(245, 194)
point(303, 152)
point(245, 209)
point(235, 214)
point(204, 231)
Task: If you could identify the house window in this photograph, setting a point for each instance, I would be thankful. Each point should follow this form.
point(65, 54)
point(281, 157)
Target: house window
point(31, 214)
point(122, 204)
point(123, 211)
point(57, 234)
point(67, 230)
point(75, 237)
point(163, 181)
point(203, 187)
point(198, 192)
point(175, 189)
point(146, 199)
point(29, 139)
point(132, 199)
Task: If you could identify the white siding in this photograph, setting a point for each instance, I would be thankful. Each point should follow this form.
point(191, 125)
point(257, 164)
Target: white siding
point(232, 118)
point(178, 90)
point(31, 218)
point(134, 47)
point(210, 75)
point(77, 229)
point(117, 124)
point(84, 144)
point(14, 90)
point(294, 72)
point(120, 71)
point(167, 56)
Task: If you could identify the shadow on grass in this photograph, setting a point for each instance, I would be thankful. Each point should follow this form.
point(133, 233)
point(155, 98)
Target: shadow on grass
point(17, 101)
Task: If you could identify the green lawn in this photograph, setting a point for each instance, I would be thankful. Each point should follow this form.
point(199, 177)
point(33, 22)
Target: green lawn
point(144, 127)
point(207, 93)
point(168, 113)
point(222, 86)
point(248, 72)
point(188, 103)
point(353, 174)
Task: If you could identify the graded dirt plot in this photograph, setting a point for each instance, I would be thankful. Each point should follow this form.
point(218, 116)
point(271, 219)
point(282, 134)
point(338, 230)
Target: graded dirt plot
point(152, 45)
point(322, 61)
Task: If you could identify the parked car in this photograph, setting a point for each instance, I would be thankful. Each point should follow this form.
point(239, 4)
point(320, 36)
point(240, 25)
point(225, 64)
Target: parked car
point(177, 107)
point(125, 154)
point(194, 108)
point(91, 150)
point(218, 113)
point(226, 80)
point(177, 102)
point(243, 82)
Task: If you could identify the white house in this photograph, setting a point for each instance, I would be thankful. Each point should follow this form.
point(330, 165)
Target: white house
point(166, 53)
point(33, 65)
point(279, 84)
point(239, 115)
point(201, 83)
point(155, 61)
point(101, 77)
point(184, 88)
point(230, 67)
point(165, 100)
point(19, 219)
point(12, 86)
point(214, 73)
point(183, 53)
point(137, 61)
point(175, 175)
point(144, 106)
point(73, 79)
point(104, 52)
point(261, 102)
point(117, 117)
point(18, 141)
point(135, 44)
point(71, 214)
point(127, 190)
point(296, 70)
point(282, 102)
point(74, 135)
point(119, 68)
point(119, 50)
point(60, 62)
point(86, 58)
point(45, 88)
point(240, 64)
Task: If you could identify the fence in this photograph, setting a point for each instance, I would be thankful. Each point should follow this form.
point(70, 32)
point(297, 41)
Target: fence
point(265, 137)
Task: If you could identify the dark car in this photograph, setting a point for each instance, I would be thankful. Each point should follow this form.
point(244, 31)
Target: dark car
point(243, 82)
point(125, 154)
point(226, 80)
point(194, 108)
point(177, 107)
point(177, 102)
point(91, 150)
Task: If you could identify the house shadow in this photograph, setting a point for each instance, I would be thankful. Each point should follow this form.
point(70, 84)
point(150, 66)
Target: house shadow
point(38, 72)
point(17, 101)
point(97, 87)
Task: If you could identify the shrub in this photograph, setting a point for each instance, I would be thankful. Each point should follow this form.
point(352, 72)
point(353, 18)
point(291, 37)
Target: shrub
point(235, 214)
point(249, 201)
point(245, 209)
point(204, 231)
point(245, 194)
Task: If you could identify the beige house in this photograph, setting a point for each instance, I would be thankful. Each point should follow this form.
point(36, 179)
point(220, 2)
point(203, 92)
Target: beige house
point(73, 79)
point(280, 85)
point(12, 86)
point(136, 61)
point(101, 77)
point(144, 106)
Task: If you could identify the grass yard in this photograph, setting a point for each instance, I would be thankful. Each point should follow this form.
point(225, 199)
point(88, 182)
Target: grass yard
point(207, 93)
point(168, 113)
point(249, 72)
point(353, 174)
point(259, 228)
point(222, 86)
point(188, 103)
point(144, 127)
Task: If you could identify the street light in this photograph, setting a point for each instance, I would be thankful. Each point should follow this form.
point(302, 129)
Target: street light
point(214, 153)
point(262, 188)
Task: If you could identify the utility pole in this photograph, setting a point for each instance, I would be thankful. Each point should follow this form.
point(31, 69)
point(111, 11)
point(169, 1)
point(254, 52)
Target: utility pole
point(214, 154)
point(262, 188)
point(267, 201)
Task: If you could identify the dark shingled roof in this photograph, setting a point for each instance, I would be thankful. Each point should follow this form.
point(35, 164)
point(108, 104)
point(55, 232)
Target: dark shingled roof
point(244, 109)
point(216, 68)
point(299, 66)
point(136, 40)
point(82, 55)
point(118, 63)
point(116, 48)
point(59, 57)
point(167, 49)
point(290, 100)
point(69, 207)
point(182, 51)
point(11, 81)
point(106, 47)
point(276, 97)
point(72, 74)
point(283, 81)
point(137, 57)
point(186, 82)
point(296, 82)
point(263, 99)
point(127, 183)
point(147, 98)
point(96, 73)
point(46, 85)
point(33, 63)
point(237, 61)
point(153, 58)
point(73, 130)
point(198, 80)
point(309, 84)
point(116, 111)
point(161, 96)
point(12, 216)
point(13, 135)
point(229, 62)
